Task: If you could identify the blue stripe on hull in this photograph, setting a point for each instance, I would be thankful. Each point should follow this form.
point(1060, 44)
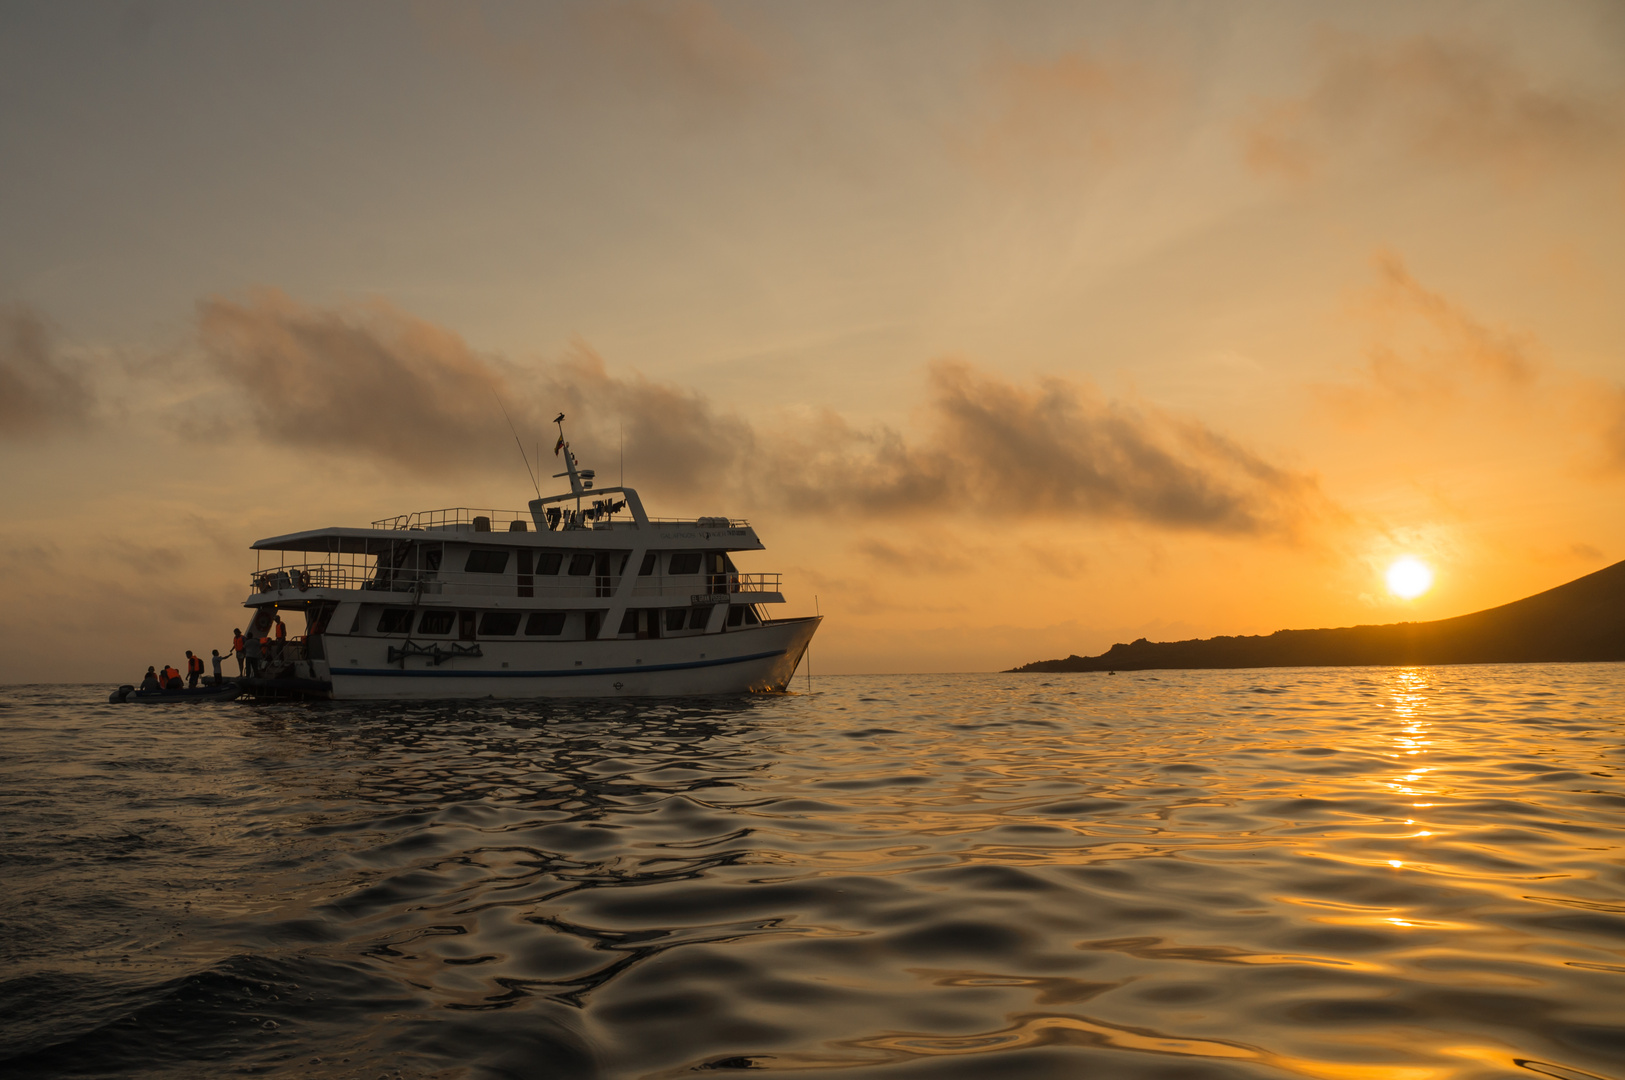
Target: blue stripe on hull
point(419, 673)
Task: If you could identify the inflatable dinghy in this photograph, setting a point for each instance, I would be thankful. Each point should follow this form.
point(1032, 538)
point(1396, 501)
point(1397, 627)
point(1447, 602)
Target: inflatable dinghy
point(224, 692)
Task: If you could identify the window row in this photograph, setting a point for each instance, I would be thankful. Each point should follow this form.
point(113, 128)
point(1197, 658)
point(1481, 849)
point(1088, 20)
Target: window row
point(584, 564)
point(648, 622)
point(491, 623)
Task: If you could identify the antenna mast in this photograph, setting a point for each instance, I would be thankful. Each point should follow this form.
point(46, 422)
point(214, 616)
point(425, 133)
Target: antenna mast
point(523, 456)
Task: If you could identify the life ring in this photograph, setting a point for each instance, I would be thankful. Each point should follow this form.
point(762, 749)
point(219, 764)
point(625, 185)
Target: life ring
point(303, 579)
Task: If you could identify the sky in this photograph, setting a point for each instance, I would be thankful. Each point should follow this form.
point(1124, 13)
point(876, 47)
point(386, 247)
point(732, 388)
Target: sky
point(1016, 329)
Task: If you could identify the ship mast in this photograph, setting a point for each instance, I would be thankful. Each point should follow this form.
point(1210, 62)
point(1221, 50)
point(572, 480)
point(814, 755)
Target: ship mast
point(580, 479)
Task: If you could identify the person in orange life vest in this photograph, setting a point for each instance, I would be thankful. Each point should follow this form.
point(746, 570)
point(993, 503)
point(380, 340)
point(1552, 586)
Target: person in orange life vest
point(194, 670)
point(172, 678)
point(151, 681)
point(237, 644)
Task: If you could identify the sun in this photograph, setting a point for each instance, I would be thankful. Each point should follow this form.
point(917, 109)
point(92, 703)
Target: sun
point(1409, 578)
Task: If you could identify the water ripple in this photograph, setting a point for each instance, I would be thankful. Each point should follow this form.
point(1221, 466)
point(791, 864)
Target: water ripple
point(1383, 874)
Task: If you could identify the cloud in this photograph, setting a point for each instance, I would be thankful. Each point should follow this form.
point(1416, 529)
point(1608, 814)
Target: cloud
point(40, 391)
point(687, 46)
point(1068, 111)
point(1448, 102)
point(1430, 353)
point(1499, 355)
point(939, 556)
point(1055, 450)
point(381, 384)
point(1606, 403)
point(370, 379)
point(686, 43)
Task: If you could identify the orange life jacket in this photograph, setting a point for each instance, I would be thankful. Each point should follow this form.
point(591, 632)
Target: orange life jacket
point(281, 631)
point(237, 643)
point(170, 673)
point(194, 665)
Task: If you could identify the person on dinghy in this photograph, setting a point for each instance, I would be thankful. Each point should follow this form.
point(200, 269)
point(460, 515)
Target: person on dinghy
point(194, 669)
point(151, 681)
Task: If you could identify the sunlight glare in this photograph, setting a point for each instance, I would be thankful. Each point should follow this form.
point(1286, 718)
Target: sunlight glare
point(1409, 578)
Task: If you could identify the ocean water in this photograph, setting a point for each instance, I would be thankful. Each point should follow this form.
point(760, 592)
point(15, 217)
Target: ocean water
point(1393, 874)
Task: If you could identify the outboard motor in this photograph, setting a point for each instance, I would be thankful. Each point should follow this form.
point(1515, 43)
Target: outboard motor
point(118, 697)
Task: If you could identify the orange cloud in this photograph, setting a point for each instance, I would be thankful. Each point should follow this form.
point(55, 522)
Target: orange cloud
point(1056, 450)
point(1431, 352)
point(1605, 402)
point(371, 379)
point(383, 385)
point(1449, 102)
point(687, 43)
point(681, 45)
point(40, 391)
point(1070, 110)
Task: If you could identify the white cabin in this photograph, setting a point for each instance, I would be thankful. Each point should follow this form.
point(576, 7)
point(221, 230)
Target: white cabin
point(584, 594)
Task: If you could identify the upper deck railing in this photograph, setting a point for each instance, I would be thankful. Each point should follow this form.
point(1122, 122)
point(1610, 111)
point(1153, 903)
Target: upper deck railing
point(334, 575)
point(704, 522)
point(471, 519)
point(459, 517)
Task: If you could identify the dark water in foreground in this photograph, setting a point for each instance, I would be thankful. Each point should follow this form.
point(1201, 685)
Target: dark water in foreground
point(1396, 874)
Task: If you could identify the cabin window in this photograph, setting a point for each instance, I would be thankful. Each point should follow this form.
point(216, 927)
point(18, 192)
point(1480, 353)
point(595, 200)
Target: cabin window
point(524, 561)
point(437, 622)
point(431, 560)
point(629, 622)
point(675, 616)
point(581, 565)
point(736, 615)
point(499, 623)
point(698, 617)
point(548, 562)
point(395, 621)
point(545, 623)
point(684, 564)
point(486, 561)
point(648, 566)
point(750, 617)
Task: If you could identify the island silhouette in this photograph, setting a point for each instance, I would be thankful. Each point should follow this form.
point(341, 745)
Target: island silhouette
point(1583, 620)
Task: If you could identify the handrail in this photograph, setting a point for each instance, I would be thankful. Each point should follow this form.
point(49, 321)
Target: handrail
point(453, 518)
point(333, 575)
point(460, 517)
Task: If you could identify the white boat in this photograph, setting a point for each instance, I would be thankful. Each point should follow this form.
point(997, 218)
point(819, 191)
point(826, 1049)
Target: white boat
point(583, 595)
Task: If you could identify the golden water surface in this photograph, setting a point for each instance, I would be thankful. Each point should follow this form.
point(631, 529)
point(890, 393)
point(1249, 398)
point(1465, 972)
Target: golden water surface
point(1357, 874)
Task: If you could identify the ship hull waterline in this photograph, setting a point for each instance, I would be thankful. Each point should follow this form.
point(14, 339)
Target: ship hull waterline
point(761, 659)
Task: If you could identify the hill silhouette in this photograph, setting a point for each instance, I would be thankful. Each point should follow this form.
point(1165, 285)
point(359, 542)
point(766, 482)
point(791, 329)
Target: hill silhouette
point(1583, 620)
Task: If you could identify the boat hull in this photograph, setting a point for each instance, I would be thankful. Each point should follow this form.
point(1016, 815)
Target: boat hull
point(226, 692)
point(758, 659)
